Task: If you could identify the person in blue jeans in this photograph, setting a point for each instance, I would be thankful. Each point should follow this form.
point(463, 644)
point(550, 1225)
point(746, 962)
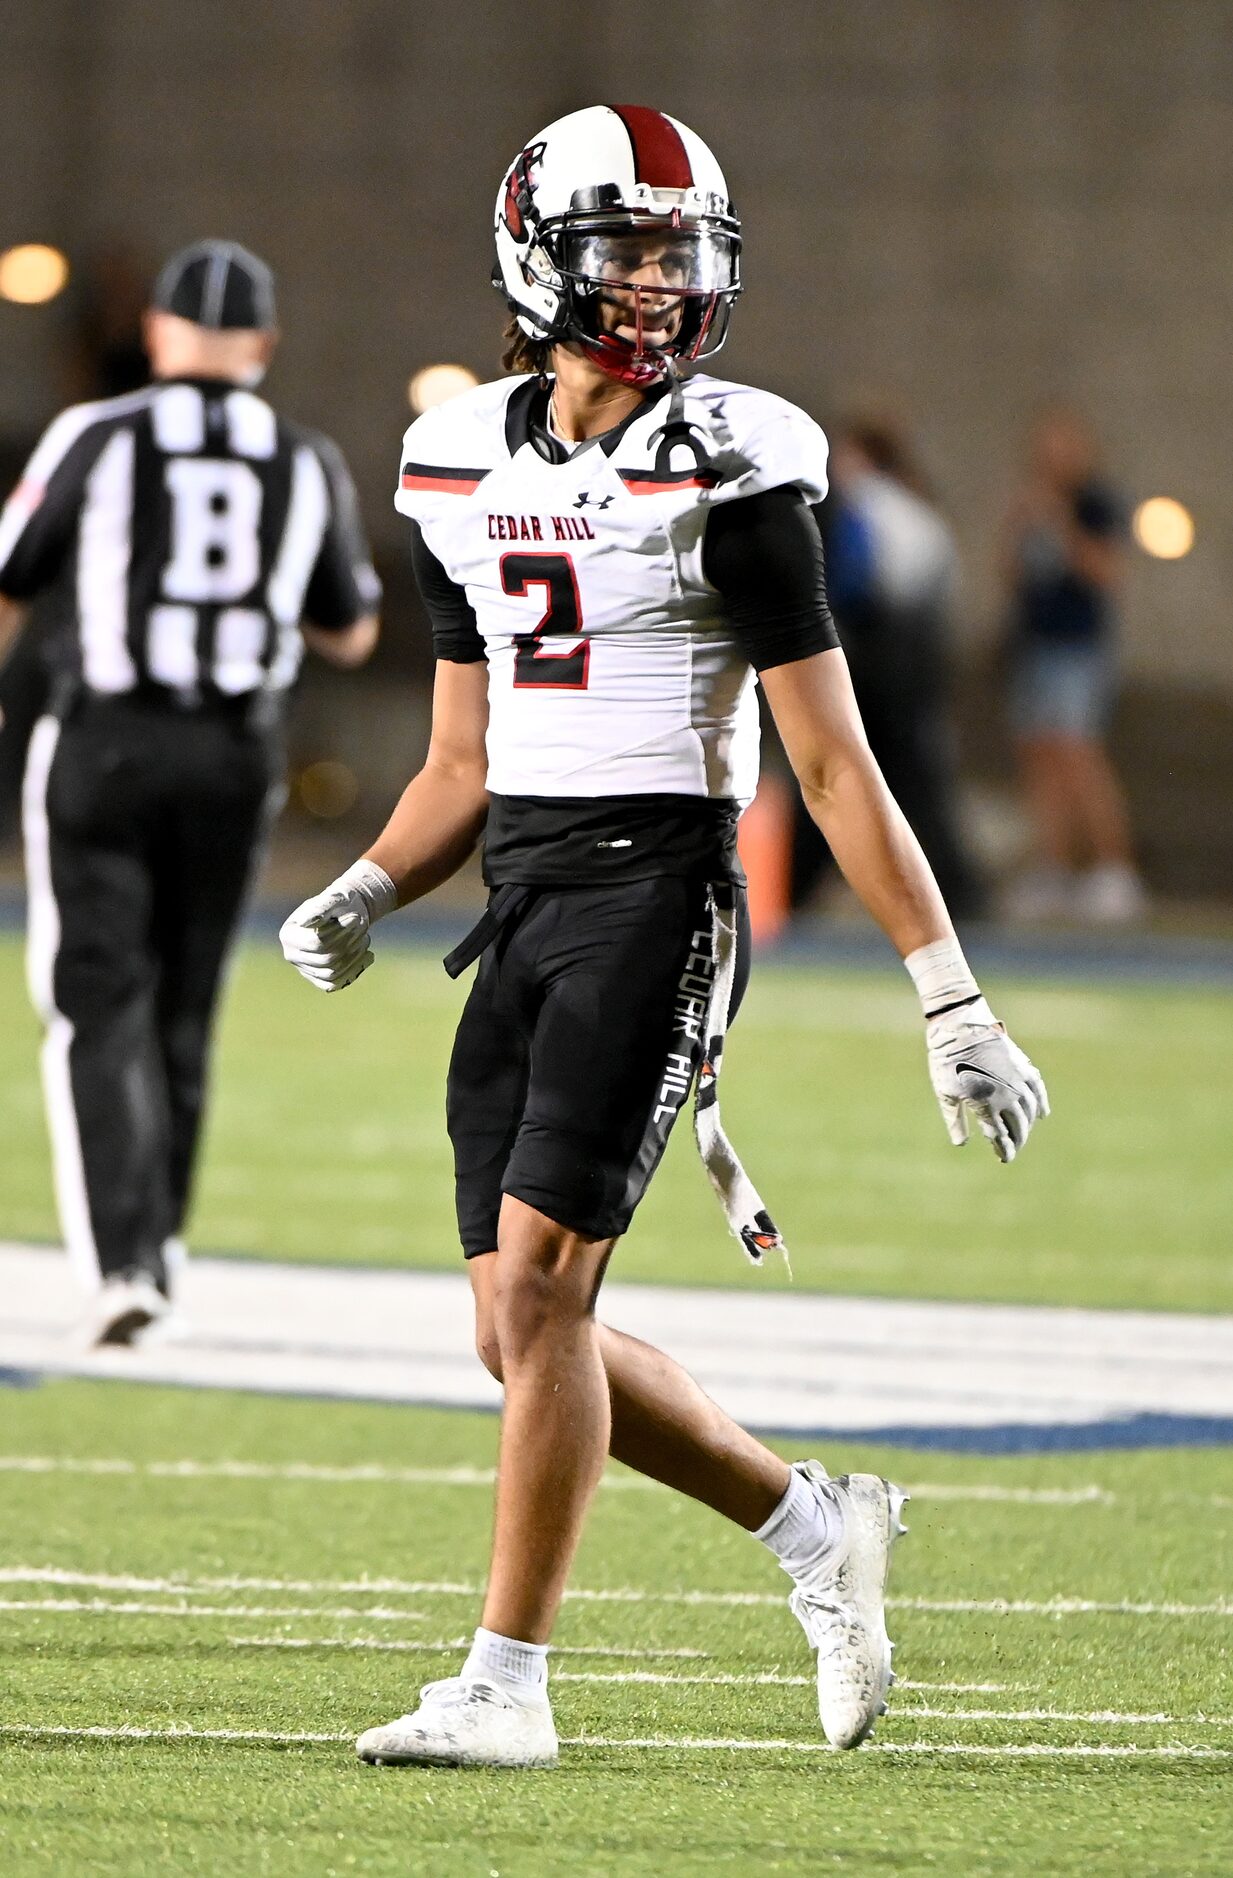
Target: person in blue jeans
point(1061, 556)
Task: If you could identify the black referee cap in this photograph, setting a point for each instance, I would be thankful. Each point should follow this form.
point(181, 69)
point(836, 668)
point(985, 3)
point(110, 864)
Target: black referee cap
point(217, 284)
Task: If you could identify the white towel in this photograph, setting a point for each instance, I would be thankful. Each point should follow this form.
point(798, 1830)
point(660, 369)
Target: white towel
point(743, 1206)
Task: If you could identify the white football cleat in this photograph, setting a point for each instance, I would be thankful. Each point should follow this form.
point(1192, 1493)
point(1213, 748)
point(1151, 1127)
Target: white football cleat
point(125, 1308)
point(840, 1605)
point(470, 1723)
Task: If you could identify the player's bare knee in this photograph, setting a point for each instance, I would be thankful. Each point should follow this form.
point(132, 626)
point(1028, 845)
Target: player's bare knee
point(530, 1305)
point(543, 1289)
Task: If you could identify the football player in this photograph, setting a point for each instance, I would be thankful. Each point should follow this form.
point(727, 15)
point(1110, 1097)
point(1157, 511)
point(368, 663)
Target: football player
point(610, 553)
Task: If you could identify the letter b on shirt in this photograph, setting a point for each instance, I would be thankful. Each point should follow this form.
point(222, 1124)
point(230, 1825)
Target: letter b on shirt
point(215, 530)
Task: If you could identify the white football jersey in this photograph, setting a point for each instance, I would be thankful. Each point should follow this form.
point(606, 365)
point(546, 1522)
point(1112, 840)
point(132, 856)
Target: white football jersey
point(612, 669)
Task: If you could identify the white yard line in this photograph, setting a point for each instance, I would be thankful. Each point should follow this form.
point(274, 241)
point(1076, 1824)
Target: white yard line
point(961, 1689)
point(401, 1646)
point(99, 1607)
point(1061, 1607)
point(1015, 1496)
point(676, 1744)
point(35, 1731)
point(268, 1470)
point(364, 1474)
point(766, 1678)
point(1014, 1750)
point(390, 1645)
point(762, 1679)
point(187, 1587)
point(1091, 1717)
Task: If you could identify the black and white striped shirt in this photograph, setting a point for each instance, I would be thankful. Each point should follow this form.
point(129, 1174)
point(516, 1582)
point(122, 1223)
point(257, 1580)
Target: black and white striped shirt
point(193, 529)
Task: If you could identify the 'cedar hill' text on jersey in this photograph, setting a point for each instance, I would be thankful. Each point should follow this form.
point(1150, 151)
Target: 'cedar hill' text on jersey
point(613, 666)
point(194, 528)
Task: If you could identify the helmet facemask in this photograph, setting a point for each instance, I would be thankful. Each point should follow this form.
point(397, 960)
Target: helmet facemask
point(643, 290)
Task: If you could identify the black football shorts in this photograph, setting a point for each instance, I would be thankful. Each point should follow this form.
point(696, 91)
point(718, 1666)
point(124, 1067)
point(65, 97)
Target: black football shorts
point(576, 1051)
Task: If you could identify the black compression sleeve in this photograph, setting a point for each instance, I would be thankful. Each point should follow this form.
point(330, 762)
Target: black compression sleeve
point(455, 635)
point(343, 585)
point(764, 555)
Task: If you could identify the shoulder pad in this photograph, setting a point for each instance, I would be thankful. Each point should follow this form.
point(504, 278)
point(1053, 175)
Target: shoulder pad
point(756, 440)
point(450, 449)
point(63, 431)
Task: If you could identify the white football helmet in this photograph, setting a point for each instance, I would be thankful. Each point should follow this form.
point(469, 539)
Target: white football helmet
point(614, 230)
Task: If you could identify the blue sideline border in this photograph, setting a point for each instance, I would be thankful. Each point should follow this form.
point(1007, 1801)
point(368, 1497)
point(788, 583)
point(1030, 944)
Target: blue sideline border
point(1119, 1434)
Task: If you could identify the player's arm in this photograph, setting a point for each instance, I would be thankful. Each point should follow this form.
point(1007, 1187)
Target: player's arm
point(12, 619)
point(344, 646)
point(341, 622)
point(439, 817)
point(767, 562)
point(39, 520)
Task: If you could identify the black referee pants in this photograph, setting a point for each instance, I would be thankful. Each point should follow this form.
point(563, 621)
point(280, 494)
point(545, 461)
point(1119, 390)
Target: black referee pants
point(141, 824)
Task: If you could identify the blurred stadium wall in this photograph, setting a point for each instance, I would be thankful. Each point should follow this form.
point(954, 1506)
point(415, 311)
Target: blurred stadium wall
point(959, 208)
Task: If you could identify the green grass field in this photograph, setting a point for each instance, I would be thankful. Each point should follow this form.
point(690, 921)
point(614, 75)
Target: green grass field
point(215, 1603)
point(231, 1610)
point(327, 1140)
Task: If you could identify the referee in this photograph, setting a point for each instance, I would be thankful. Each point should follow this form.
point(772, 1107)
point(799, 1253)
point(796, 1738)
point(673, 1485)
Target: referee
point(200, 541)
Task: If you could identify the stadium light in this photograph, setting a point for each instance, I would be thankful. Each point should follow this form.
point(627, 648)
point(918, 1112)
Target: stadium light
point(433, 384)
point(328, 789)
point(1163, 528)
point(32, 273)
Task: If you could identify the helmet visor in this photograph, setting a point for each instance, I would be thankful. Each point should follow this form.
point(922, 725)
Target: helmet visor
point(651, 285)
point(653, 256)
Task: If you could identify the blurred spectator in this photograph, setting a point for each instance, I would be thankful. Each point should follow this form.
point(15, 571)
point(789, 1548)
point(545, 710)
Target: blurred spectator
point(891, 567)
point(1061, 556)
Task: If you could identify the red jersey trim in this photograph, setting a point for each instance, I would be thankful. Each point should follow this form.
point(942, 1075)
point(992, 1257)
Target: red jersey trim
point(450, 482)
point(646, 483)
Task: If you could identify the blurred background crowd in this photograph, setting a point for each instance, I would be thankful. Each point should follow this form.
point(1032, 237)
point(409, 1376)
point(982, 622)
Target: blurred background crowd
point(991, 249)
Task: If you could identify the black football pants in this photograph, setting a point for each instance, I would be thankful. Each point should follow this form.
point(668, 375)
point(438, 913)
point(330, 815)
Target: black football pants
point(141, 825)
point(576, 1051)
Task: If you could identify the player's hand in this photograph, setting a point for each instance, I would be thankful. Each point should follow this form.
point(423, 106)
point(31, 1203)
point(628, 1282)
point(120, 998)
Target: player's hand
point(327, 938)
point(978, 1072)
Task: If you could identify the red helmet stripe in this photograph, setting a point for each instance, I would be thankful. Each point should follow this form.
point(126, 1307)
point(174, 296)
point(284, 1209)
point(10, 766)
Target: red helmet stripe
point(660, 157)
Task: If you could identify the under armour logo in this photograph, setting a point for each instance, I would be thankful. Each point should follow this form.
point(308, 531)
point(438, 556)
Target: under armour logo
point(584, 501)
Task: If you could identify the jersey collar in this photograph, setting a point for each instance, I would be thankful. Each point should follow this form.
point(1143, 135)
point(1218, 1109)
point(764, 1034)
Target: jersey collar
point(526, 421)
point(217, 385)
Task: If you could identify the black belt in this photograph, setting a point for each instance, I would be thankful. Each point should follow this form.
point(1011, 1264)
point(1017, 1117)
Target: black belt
point(506, 904)
point(256, 710)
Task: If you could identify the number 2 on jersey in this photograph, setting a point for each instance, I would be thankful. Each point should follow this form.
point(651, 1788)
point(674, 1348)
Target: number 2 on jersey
point(534, 663)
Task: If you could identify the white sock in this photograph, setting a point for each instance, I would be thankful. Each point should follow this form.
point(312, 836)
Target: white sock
point(521, 1669)
point(805, 1527)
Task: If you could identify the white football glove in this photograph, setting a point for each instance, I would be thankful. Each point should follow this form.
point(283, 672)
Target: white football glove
point(327, 937)
point(976, 1070)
